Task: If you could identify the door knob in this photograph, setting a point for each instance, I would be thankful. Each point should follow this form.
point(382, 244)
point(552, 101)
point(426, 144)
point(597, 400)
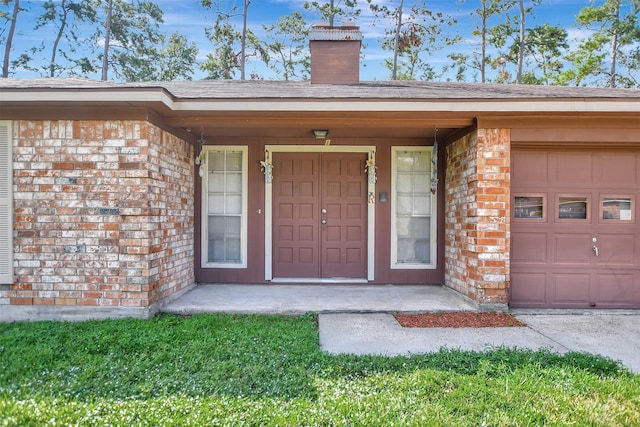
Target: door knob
point(323, 211)
point(323, 222)
point(595, 249)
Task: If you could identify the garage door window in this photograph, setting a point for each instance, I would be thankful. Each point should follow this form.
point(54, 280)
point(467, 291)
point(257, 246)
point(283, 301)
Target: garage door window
point(616, 209)
point(573, 207)
point(529, 207)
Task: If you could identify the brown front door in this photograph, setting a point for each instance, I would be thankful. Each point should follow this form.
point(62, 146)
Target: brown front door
point(319, 215)
point(575, 229)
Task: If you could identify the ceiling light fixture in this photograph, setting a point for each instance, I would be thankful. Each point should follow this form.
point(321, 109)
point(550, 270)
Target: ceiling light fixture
point(320, 133)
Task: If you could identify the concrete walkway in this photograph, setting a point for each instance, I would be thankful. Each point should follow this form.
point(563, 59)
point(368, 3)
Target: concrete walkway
point(616, 336)
point(357, 319)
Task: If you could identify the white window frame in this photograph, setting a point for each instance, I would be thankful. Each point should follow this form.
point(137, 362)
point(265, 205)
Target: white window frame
point(205, 263)
point(6, 202)
point(434, 217)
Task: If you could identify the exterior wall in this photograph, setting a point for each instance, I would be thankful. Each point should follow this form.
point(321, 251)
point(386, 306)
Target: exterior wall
point(103, 215)
point(254, 273)
point(477, 240)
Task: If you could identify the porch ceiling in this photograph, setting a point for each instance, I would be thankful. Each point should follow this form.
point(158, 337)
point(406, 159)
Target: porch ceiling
point(341, 125)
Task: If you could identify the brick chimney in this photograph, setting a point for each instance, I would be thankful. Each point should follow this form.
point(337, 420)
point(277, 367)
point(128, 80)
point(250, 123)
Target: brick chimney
point(335, 54)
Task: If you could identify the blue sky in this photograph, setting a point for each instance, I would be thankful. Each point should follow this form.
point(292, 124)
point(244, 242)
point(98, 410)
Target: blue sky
point(189, 18)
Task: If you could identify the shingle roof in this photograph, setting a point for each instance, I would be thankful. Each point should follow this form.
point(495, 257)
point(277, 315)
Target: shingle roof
point(263, 89)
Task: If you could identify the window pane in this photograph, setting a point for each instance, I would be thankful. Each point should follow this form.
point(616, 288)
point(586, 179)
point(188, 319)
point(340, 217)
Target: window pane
point(234, 205)
point(232, 225)
point(413, 251)
point(216, 182)
point(234, 161)
point(216, 204)
point(405, 250)
point(233, 249)
point(528, 207)
point(404, 204)
point(404, 162)
point(422, 161)
point(616, 208)
point(216, 225)
point(422, 183)
point(234, 183)
point(216, 161)
point(422, 205)
point(419, 227)
point(216, 250)
point(404, 183)
point(402, 226)
point(572, 207)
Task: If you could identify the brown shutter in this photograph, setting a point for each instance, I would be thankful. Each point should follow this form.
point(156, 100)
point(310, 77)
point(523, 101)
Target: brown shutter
point(6, 204)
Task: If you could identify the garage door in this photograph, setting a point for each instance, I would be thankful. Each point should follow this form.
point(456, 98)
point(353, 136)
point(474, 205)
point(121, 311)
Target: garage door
point(575, 238)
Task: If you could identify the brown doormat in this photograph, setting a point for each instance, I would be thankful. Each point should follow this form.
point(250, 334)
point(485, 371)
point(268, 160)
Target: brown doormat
point(458, 320)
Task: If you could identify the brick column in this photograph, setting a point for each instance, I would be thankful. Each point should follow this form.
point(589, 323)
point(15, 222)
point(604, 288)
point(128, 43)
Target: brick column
point(477, 230)
point(104, 217)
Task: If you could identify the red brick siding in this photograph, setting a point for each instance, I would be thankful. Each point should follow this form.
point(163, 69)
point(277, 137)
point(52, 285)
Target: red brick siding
point(103, 213)
point(477, 214)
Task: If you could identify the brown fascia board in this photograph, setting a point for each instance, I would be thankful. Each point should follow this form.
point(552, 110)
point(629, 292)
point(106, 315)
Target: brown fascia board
point(579, 120)
point(152, 111)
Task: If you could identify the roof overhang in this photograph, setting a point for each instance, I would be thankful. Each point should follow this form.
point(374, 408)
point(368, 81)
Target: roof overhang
point(295, 117)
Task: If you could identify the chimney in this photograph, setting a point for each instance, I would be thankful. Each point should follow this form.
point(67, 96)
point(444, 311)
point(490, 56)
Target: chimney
point(335, 54)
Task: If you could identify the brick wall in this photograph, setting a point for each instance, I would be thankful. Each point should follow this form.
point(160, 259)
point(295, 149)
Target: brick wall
point(104, 214)
point(477, 215)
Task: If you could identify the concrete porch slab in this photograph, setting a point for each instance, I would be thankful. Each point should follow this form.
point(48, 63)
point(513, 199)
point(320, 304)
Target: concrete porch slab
point(300, 299)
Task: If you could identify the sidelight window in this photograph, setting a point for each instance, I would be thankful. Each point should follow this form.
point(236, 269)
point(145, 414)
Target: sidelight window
point(225, 208)
point(413, 207)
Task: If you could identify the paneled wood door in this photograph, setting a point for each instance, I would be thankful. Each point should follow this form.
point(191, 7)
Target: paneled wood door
point(319, 215)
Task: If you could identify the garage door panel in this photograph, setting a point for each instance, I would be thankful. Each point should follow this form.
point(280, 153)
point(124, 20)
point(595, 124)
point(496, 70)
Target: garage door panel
point(531, 289)
point(574, 169)
point(572, 249)
point(614, 289)
point(616, 249)
point(617, 170)
point(530, 167)
point(571, 288)
point(529, 248)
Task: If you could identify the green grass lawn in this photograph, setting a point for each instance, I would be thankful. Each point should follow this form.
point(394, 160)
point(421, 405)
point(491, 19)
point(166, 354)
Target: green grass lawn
point(268, 370)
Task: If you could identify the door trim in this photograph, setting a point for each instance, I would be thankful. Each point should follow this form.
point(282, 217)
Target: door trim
point(268, 206)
